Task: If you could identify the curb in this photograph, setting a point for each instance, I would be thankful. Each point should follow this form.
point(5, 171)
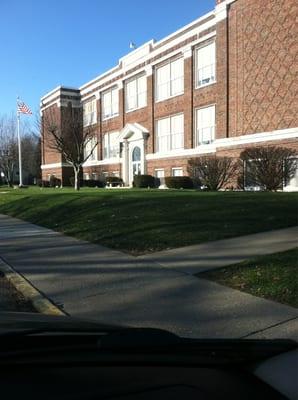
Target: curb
point(41, 303)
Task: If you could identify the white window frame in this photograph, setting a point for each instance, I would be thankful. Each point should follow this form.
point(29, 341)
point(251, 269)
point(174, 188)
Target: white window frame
point(137, 94)
point(197, 134)
point(169, 135)
point(90, 117)
point(197, 85)
point(111, 152)
point(157, 100)
point(114, 113)
point(177, 169)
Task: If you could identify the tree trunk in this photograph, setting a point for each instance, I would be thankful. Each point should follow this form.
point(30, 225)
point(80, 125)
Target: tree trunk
point(76, 180)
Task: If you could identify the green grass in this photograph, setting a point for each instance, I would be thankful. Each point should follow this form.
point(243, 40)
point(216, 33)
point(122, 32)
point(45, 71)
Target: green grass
point(272, 277)
point(140, 221)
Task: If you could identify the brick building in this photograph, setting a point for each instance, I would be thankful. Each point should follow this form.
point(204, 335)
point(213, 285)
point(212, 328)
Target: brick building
point(219, 84)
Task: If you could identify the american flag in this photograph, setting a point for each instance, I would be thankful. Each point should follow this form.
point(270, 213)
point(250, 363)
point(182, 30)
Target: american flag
point(23, 108)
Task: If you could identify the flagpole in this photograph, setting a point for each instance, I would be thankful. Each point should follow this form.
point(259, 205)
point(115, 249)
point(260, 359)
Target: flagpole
point(19, 148)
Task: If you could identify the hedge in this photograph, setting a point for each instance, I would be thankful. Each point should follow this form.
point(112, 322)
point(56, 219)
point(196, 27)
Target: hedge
point(144, 181)
point(179, 182)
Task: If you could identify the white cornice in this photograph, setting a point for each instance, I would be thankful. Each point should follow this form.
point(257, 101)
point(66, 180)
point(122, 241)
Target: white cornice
point(291, 133)
point(221, 10)
point(156, 48)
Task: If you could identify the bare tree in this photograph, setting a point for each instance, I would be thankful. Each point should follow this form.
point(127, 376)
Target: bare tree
point(212, 171)
point(269, 167)
point(31, 151)
point(70, 138)
point(8, 149)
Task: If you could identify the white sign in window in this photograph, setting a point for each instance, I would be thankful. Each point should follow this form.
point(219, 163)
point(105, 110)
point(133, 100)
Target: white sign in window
point(89, 113)
point(110, 103)
point(170, 133)
point(136, 93)
point(170, 79)
point(205, 125)
point(205, 65)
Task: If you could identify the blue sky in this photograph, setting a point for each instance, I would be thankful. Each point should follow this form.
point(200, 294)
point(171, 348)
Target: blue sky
point(45, 43)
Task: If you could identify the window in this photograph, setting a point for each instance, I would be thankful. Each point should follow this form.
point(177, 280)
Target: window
point(170, 133)
point(177, 172)
point(86, 176)
point(136, 93)
point(170, 79)
point(205, 122)
point(111, 145)
point(91, 149)
point(110, 103)
point(159, 173)
point(89, 113)
point(205, 65)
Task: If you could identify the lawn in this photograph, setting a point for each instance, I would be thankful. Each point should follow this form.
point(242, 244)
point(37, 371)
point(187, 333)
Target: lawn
point(273, 277)
point(142, 221)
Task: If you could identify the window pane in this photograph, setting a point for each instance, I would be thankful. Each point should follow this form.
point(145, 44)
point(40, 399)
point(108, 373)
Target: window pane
point(177, 172)
point(142, 91)
point(107, 104)
point(177, 131)
point(206, 64)
point(136, 154)
point(177, 76)
point(115, 101)
point(106, 146)
point(131, 95)
point(163, 78)
point(205, 125)
point(113, 144)
point(163, 134)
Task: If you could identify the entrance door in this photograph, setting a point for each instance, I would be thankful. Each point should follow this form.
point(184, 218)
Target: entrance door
point(136, 161)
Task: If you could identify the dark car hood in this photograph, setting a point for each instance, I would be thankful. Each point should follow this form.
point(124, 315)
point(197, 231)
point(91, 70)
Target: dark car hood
point(17, 321)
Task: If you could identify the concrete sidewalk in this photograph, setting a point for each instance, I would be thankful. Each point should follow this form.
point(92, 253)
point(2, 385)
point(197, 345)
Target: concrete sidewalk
point(220, 253)
point(92, 281)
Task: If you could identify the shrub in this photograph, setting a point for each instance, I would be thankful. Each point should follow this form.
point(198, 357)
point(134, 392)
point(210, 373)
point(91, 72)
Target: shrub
point(113, 180)
point(92, 183)
point(269, 167)
point(179, 182)
point(53, 182)
point(41, 183)
point(144, 181)
point(212, 172)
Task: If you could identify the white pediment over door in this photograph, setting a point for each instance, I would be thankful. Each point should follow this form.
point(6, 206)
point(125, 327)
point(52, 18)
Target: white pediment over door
point(133, 131)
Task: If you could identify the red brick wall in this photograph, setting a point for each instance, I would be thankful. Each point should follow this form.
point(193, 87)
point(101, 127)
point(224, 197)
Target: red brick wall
point(262, 51)
point(49, 155)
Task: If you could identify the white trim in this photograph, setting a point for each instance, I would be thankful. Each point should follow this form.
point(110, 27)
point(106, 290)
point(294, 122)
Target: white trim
point(106, 161)
point(221, 10)
point(291, 133)
point(55, 165)
point(58, 89)
point(187, 52)
point(203, 149)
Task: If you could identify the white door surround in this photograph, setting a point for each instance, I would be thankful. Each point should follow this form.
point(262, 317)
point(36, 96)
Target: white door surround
point(133, 137)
